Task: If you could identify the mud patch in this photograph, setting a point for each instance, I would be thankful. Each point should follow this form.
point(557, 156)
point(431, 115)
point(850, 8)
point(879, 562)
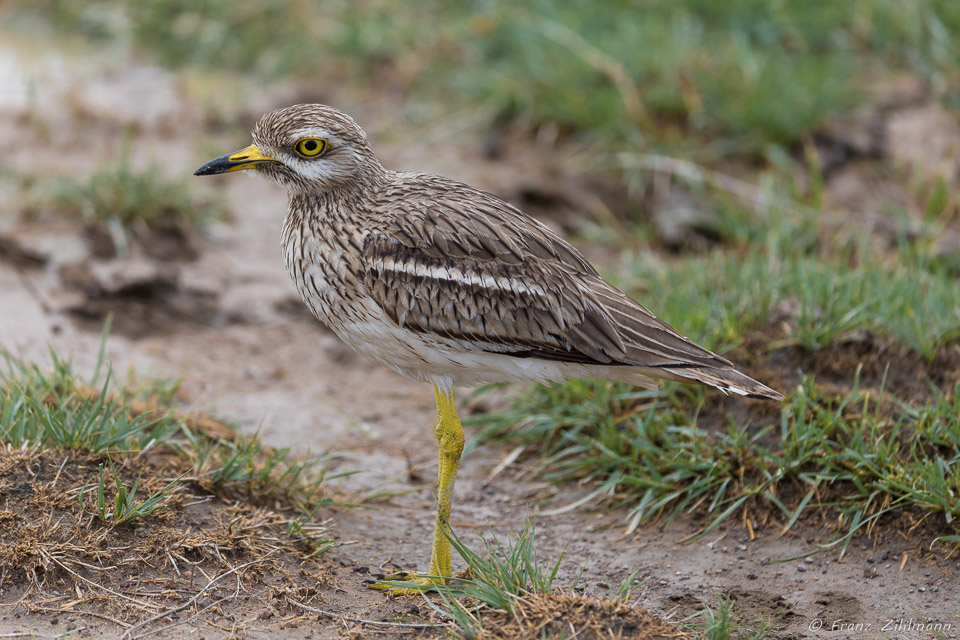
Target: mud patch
point(880, 364)
point(18, 254)
point(751, 607)
point(143, 298)
point(868, 362)
point(838, 607)
point(164, 241)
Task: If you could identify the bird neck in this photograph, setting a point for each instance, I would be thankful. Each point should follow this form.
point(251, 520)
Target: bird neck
point(356, 188)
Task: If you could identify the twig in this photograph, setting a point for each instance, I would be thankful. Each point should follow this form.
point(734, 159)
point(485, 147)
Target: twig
point(78, 612)
point(128, 634)
point(34, 292)
point(89, 566)
point(194, 616)
point(144, 605)
point(23, 634)
point(503, 464)
point(331, 614)
point(57, 477)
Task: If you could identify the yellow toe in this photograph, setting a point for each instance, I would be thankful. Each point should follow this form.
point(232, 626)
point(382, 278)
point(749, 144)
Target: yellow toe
point(404, 583)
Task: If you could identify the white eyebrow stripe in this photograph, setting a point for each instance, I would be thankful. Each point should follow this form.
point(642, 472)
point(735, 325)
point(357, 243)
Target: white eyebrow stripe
point(455, 274)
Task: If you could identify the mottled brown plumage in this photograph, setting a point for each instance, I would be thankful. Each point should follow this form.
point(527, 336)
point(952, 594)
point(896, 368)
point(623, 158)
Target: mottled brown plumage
point(451, 268)
point(449, 284)
point(444, 282)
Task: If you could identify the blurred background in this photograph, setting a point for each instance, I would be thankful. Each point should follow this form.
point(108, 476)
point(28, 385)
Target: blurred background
point(690, 128)
point(778, 179)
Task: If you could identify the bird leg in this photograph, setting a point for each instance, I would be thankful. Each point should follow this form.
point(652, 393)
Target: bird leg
point(450, 440)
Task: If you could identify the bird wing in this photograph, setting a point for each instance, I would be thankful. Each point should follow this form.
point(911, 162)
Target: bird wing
point(459, 263)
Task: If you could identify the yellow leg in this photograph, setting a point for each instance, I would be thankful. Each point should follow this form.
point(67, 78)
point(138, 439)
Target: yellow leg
point(450, 440)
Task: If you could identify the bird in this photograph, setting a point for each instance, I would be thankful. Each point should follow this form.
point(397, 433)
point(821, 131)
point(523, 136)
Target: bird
point(448, 284)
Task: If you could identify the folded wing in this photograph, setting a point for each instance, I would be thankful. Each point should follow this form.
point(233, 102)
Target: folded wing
point(497, 279)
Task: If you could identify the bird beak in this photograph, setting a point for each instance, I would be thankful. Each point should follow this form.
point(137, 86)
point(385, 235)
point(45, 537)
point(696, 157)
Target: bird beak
point(239, 161)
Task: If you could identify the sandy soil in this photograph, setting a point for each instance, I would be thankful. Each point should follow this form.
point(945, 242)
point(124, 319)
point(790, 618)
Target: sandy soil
point(232, 327)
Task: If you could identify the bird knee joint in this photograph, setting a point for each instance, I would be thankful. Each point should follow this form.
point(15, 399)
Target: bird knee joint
point(452, 444)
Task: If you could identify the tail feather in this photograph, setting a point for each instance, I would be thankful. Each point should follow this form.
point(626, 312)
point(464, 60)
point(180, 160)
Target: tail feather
point(729, 381)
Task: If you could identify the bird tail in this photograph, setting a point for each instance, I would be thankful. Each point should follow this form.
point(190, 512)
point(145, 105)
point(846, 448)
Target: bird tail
point(728, 381)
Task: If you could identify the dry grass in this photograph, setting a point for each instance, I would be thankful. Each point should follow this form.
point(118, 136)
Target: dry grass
point(57, 556)
point(116, 507)
point(564, 615)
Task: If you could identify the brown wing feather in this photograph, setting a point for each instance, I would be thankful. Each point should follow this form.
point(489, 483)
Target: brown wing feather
point(487, 273)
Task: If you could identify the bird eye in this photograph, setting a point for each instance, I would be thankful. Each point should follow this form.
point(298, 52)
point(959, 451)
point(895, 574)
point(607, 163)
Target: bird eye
point(310, 147)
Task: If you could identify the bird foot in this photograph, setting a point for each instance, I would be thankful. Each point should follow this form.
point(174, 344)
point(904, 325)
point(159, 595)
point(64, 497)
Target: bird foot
point(414, 583)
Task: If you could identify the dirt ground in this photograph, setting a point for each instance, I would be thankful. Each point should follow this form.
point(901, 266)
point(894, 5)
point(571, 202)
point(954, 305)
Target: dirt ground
point(230, 323)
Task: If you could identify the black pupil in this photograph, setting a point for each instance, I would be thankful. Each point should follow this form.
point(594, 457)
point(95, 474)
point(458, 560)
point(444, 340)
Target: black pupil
point(310, 145)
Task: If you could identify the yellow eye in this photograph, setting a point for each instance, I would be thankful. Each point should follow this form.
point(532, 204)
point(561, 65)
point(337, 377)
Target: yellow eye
point(310, 147)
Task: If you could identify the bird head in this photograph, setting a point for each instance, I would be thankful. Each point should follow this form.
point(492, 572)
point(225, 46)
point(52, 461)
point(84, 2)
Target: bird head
point(306, 148)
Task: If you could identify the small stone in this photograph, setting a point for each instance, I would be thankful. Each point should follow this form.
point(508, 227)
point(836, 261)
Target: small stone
point(801, 568)
point(765, 561)
point(885, 556)
point(808, 560)
point(751, 576)
point(741, 547)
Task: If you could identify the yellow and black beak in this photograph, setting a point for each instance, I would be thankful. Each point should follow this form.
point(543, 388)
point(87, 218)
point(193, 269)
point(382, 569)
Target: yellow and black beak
point(239, 161)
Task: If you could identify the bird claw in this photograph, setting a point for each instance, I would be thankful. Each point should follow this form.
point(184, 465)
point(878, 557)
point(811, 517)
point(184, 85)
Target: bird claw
point(418, 583)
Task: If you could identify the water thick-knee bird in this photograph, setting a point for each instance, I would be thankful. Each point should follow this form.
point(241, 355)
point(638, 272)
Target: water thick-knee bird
point(448, 284)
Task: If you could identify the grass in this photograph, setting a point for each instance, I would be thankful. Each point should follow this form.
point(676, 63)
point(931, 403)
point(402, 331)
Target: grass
point(856, 454)
point(508, 593)
point(505, 572)
point(51, 409)
point(127, 196)
point(102, 483)
point(125, 508)
point(846, 458)
point(715, 299)
point(624, 73)
point(720, 623)
point(124, 204)
point(783, 285)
